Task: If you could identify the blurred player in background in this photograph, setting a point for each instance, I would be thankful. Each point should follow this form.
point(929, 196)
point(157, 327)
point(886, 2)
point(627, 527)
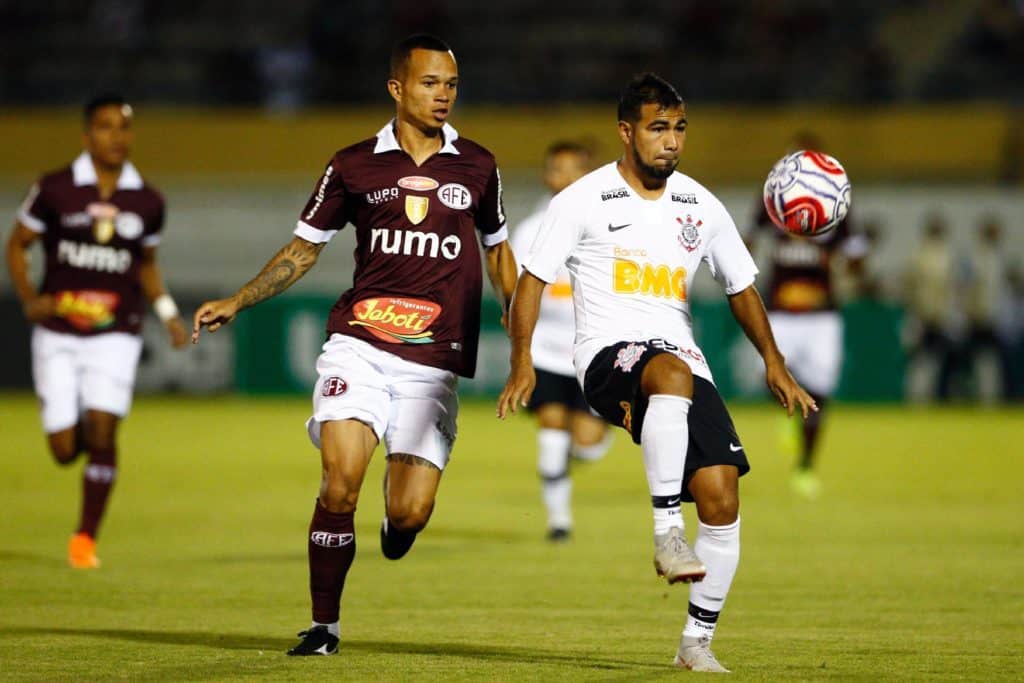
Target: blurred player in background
point(804, 313)
point(566, 425)
point(987, 298)
point(99, 223)
point(420, 197)
point(633, 234)
point(933, 284)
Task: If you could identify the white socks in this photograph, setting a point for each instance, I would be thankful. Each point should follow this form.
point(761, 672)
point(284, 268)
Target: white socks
point(333, 628)
point(553, 466)
point(664, 439)
point(718, 547)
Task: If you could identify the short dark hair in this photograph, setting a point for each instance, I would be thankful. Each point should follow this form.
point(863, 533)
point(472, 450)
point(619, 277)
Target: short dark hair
point(99, 101)
point(418, 41)
point(646, 88)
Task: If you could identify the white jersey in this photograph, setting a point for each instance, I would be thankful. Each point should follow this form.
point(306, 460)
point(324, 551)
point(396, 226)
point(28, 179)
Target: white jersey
point(632, 261)
point(552, 344)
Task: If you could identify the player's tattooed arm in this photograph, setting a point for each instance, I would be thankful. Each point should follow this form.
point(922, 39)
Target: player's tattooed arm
point(287, 266)
point(748, 309)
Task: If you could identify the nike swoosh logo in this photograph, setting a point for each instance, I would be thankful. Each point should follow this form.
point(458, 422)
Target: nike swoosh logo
point(615, 228)
point(674, 501)
point(733, 447)
point(701, 615)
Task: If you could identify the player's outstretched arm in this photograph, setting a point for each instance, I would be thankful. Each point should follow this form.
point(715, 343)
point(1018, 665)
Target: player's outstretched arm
point(156, 294)
point(502, 269)
point(748, 309)
point(287, 266)
point(522, 319)
point(37, 307)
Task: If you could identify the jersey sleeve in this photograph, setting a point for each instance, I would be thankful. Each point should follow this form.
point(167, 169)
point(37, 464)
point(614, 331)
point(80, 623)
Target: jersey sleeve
point(559, 233)
point(154, 227)
point(491, 216)
point(34, 212)
point(728, 258)
point(324, 213)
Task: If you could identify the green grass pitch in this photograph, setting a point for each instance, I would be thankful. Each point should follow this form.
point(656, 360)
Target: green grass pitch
point(910, 566)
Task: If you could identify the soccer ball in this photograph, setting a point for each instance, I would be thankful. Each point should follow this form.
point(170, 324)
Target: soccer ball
point(807, 193)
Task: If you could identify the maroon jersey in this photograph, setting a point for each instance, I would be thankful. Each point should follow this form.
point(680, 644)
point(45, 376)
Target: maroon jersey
point(801, 274)
point(93, 247)
point(416, 291)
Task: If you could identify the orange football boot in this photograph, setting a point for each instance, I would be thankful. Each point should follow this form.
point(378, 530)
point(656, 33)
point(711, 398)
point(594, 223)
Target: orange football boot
point(82, 552)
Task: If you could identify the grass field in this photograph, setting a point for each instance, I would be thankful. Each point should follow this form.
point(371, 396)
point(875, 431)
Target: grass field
point(911, 565)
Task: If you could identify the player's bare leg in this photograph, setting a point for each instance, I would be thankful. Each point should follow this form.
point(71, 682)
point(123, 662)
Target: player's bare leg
point(805, 481)
point(716, 493)
point(554, 442)
point(668, 384)
point(410, 488)
point(100, 434)
point(590, 436)
point(345, 450)
point(67, 444)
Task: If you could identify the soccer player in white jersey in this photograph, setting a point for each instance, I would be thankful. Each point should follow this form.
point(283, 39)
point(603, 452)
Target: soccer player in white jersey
point(566, 426)
point(632, 234)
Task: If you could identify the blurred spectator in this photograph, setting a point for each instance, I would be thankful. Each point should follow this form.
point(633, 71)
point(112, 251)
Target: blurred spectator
point(1012, 327)
point(987, 343)
point(933, 316)
point(866, 278)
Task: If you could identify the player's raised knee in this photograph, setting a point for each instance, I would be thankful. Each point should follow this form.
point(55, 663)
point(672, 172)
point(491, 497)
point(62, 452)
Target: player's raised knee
point(410, 516)
point(666, 374)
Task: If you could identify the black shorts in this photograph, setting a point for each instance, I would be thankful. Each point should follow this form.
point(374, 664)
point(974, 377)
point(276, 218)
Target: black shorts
point(612, 386)
point(561, 389)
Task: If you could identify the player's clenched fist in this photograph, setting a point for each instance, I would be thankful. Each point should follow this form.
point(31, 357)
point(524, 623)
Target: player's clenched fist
point(518, 389)
point(214, 315)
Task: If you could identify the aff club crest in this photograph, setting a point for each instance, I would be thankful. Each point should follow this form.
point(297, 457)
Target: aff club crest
point(416, 208)
point(334, 386)
point(689, 237)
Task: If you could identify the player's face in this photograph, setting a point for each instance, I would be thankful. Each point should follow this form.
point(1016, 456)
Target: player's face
point(108, 135)
point(657, 139)
point(563, 169)
point(426, 94)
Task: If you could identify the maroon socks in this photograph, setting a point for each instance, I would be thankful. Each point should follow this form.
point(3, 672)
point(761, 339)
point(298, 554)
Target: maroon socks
point(97, 481)
point(332, 547)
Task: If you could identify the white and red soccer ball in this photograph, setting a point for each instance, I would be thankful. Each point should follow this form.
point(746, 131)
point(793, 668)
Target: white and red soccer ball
point(807, 193)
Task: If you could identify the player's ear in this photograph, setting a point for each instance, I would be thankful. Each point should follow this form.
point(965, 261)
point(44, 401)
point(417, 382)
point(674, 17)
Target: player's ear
point(395, 89)
point(626, 132)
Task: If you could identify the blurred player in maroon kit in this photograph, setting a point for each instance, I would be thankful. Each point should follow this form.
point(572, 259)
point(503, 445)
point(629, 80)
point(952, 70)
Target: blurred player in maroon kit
point(803, 311)
point(99, 224)
point(419, 197)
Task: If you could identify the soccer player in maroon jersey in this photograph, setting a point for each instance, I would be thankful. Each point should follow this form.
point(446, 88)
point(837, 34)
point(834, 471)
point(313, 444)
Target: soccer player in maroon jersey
point(419, 197)
point(804, 314)
point(99, 224)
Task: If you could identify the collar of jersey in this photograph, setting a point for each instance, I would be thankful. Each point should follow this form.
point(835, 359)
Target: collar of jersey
point(84, 173)
point(387, 142)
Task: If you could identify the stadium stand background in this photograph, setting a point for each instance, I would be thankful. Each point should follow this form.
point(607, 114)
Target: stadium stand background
point(241, 102)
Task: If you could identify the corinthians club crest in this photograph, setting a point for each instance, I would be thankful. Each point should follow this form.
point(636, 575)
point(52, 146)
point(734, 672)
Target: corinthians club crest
point(689, 238)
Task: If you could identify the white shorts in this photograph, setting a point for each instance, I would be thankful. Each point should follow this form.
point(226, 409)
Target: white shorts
point(813, 346)
point(412, 408)
point(73, 374)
